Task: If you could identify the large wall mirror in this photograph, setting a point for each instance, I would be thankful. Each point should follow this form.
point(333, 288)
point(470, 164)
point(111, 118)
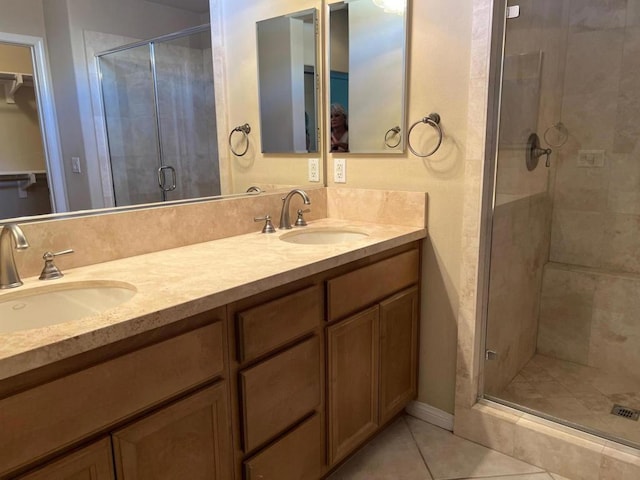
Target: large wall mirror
point(368, 63)
point(141, 112)
point(287, 81)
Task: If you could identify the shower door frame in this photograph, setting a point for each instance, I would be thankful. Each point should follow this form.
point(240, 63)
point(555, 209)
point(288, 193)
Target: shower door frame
point(152, 65)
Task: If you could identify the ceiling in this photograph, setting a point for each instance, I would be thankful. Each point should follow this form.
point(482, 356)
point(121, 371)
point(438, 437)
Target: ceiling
point(197, 6)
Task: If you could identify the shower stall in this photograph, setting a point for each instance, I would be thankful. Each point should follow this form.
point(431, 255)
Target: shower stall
point(159, 106)
point(562, 336)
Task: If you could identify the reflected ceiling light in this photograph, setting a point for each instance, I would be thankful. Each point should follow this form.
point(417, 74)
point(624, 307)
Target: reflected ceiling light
point(392, 6)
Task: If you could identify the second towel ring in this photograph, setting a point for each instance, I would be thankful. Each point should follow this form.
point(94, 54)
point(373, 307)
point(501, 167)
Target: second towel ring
point(245, 130)
point(432, 119)
point(394, 131)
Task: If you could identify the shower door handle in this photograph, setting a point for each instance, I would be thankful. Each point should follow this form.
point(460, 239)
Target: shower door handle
point(162, 178)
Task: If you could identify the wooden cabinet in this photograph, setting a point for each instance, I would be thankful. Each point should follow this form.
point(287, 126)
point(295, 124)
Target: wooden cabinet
point(100, 392)
point(282, 385)
point(398, 352)
point(371, 355)
point(93, 462)
point(278, 374)
point(188, 439)
point(352, 352)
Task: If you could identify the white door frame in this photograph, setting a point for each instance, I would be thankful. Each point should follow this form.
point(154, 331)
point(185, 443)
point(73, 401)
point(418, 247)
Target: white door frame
point(47, 117)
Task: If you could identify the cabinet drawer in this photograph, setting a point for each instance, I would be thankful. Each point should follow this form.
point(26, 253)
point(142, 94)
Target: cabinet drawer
point(273, 324)
point(298, 455)
point(356, 290)
point(49, 417)
point(279, 391)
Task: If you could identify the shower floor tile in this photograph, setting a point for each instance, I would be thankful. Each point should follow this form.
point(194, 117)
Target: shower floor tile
point(577, 393)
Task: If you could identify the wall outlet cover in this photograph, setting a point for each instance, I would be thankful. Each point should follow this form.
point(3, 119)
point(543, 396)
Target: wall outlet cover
point(591, 158)
point(314, 169)
point(340, 170)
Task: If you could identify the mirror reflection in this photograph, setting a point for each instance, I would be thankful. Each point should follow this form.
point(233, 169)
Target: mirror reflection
point(367, 57)
point(287, 83)
point(150, 130)
point(159, 107)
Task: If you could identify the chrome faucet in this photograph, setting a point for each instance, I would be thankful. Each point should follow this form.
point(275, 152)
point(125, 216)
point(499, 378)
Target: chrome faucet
point(9, 277)
point(285, 219)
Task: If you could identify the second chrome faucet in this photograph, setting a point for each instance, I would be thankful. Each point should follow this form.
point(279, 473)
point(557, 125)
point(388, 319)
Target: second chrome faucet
point(285, 217)
point(9, 277)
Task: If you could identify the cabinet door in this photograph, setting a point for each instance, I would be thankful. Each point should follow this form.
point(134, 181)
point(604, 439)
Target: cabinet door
point(398, 352)
point(188, 439)
point(353, 382)
point(91, 463)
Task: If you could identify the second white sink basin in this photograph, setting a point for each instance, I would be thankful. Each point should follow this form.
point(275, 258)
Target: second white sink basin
point(323, 236)
point(53, 304)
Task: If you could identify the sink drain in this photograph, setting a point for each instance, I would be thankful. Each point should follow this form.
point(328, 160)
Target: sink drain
point(626, 412)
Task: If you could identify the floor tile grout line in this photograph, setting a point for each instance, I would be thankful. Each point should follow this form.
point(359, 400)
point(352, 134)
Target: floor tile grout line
point(482, 477)
point(415, 442)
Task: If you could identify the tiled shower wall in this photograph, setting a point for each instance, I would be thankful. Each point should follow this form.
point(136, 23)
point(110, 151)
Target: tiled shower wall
point(589, 315)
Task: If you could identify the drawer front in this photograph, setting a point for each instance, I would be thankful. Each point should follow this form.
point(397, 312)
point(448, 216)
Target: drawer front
point(298, 455)
point(361, 288)
point(278, 392)
point(273, 324)
point(44, 419)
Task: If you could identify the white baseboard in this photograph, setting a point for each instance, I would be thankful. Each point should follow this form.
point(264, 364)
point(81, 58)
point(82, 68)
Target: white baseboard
point(431, 415)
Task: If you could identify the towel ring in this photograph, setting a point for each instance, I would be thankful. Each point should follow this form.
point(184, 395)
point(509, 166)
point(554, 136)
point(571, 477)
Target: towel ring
point(245, 130)
point(393, 131)
point(433, 119)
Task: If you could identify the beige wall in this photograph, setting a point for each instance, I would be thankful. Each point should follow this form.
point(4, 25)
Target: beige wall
point(24, 17)
point(439, 45)
point(241, 82)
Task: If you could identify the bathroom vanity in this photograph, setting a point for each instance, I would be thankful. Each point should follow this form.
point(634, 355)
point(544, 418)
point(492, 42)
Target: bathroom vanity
point(278, 367)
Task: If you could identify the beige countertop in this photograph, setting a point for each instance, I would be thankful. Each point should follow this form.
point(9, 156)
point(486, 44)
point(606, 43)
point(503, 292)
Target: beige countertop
point(180, 282)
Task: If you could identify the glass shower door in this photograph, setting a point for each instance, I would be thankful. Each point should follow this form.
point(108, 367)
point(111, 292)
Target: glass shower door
point(132, 131)
point(187, 115)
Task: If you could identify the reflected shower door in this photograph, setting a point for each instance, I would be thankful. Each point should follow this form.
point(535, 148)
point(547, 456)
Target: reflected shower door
point(187, 115)
point(132, 131)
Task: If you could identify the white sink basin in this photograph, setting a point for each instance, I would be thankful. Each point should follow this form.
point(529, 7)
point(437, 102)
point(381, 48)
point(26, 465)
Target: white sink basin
point(323, 236)
point(53, 304)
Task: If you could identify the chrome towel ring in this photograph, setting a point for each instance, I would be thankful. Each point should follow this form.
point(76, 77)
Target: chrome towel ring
point(245, 130)
point(433, 119)
point(395, 131)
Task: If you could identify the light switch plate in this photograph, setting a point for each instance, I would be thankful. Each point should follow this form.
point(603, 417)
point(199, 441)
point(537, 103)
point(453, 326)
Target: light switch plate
point(75, 165)
point(591, 158)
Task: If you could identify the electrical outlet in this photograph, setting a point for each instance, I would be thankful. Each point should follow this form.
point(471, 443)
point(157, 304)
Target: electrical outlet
point(75, 165)
point(314, 169)
point(340, 170)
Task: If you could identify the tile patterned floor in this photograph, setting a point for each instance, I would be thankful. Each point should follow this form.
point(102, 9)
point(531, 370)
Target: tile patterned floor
point(577, 393)
point(410, 449)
